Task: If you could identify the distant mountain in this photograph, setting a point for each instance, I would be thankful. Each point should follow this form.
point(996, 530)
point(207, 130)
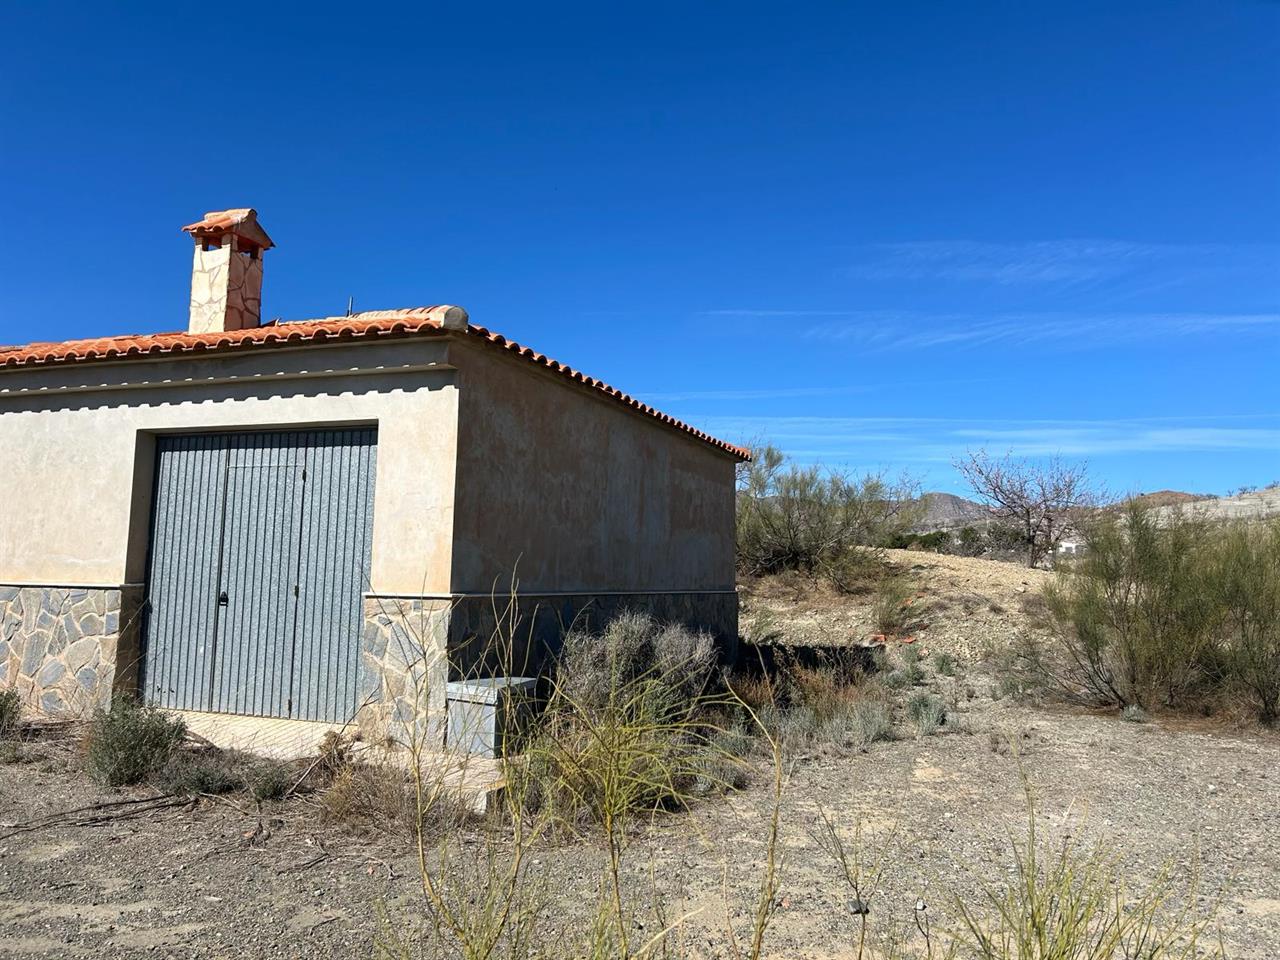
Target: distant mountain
point(946, 511)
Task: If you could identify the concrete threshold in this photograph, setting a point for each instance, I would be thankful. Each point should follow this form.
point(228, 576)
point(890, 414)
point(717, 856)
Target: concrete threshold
point(477, 781)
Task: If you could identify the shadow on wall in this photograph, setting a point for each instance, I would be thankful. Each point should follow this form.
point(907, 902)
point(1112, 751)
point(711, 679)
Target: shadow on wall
point(523, 635)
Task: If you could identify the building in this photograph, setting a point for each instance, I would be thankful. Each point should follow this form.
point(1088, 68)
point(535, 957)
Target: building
point(300, 519)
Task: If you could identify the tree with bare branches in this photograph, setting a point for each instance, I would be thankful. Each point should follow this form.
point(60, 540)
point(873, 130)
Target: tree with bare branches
point(1043, 499)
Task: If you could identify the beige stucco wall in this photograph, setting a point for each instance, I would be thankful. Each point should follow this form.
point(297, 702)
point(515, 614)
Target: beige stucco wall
point(578, 493)
point(77, 448)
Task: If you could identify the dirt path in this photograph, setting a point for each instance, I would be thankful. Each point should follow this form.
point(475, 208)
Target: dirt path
point(209, 883)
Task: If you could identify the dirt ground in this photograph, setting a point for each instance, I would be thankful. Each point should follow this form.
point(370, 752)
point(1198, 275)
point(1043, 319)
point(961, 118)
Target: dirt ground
point(961, 604)
point(225, 880)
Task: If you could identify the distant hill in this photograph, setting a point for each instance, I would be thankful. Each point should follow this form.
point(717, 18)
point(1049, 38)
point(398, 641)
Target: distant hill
point(1166, 498)
point(946, 511)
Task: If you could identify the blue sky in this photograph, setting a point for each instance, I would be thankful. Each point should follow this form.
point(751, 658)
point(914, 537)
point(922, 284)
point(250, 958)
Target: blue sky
point(873, 234)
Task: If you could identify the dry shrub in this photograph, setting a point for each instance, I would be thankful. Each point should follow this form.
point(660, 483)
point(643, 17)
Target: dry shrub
point(894, 606)
point(927, 712)
point(381, 797)
point(10, 713)
point(205, 770)
point(631, 647)
point(131, 742)
point(822, 710)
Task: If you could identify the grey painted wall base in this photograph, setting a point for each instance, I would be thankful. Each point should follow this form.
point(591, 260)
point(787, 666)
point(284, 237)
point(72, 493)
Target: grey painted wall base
point(60, 646)
point(489, 637)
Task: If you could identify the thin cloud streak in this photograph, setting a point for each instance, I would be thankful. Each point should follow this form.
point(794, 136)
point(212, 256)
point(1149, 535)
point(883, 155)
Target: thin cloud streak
point(887, 332)
point(1059, 262)
point(904, 440)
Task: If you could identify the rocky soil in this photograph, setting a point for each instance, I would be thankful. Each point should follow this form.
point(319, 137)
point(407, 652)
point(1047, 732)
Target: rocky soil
point(225, 878)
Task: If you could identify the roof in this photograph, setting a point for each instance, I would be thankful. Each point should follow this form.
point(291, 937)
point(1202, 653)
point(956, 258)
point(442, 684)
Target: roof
point(241, 221)
point(370, 325)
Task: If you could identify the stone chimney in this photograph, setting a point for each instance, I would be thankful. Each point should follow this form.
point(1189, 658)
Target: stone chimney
point(226, 275)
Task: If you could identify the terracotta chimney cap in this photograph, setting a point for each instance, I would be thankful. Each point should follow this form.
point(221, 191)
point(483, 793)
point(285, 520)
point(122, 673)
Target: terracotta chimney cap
point(242, 222)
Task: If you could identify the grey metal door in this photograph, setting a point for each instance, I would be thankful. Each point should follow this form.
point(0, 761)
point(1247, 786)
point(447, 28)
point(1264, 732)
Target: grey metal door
point(259, 559)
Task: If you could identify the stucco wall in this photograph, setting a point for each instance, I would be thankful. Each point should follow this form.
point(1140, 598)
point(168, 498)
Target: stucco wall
point(579, 494)
point(78, 453)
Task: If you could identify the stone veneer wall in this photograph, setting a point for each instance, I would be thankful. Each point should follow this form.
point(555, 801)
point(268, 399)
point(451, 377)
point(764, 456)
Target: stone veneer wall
point(403, 670)
point(59, 645)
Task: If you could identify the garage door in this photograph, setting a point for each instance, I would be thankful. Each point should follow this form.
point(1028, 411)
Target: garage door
point(259, 559)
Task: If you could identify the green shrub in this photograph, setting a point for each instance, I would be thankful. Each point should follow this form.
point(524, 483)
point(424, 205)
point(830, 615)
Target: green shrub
point(927, 712)
point(10, 713)
point(913, 673)
point(897, 680)
point(1172, 612)
point(816, 521)
point(1246, 593)
point(131, 742)
point(945, 664)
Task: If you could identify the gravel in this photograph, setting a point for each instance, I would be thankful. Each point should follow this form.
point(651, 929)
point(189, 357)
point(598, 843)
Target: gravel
point(227, 879)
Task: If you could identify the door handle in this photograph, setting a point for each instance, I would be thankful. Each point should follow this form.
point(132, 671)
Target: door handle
point(223, 599)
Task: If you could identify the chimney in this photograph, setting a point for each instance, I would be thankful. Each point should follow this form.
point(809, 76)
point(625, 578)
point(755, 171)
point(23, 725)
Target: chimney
point(226, 274)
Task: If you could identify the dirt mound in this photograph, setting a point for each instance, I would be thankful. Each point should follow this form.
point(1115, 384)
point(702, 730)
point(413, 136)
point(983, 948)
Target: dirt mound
point(961, 605)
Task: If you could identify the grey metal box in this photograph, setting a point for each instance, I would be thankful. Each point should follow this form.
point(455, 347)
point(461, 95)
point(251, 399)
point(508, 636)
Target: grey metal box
point(484, 716)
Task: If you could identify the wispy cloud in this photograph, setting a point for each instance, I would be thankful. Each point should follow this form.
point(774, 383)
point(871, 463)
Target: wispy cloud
point(1049, 261)
point(773, 314)
point(925, 440)
point(787, 393)
point(905, 331)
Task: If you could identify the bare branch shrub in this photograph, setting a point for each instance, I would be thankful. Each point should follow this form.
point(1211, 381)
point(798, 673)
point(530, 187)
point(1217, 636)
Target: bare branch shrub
point(1041, 499)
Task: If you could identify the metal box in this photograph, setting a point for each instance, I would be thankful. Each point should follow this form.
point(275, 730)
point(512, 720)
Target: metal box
point(486, 716)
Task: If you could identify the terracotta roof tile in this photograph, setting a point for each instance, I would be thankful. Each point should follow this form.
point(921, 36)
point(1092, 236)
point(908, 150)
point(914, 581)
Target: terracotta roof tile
point(370, 325)
point(242, 221)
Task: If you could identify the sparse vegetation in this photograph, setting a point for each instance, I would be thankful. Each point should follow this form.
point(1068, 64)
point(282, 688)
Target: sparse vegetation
point(894, 610)
point(927, 712)
point(10, 713)
point(1172, 613)
point(131, 742)
point(820, 522)
point(196, 772)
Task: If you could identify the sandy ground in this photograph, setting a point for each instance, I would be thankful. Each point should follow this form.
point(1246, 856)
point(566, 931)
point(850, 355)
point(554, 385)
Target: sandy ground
point(225, 880)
